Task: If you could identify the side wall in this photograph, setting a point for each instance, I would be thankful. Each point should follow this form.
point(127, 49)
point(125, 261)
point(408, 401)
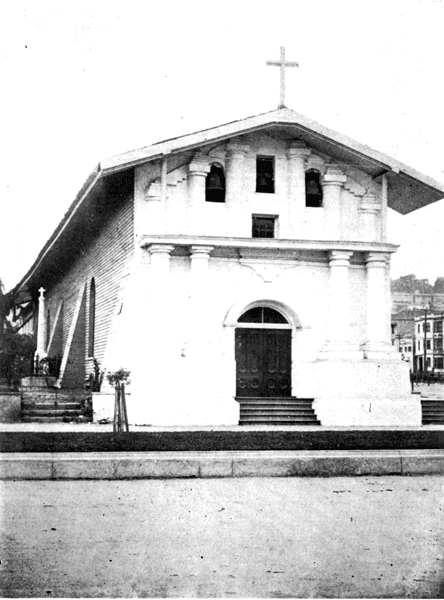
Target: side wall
point(106, 258)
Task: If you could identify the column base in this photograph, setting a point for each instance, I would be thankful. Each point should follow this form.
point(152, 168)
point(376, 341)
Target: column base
point(340, 351)
point(365, 393)
point(380, 351)
point(369, 412)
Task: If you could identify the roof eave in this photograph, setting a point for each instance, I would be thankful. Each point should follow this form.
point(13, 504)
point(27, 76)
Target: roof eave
point(90, 183)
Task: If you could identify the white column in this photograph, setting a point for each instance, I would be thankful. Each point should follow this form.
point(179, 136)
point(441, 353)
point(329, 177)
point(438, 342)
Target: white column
point(198, 170)
point(41, 327)
point(152, 335)
point(338, 340)
point(199, 285)
point(378, 341)
point(297, 155)
point(332, 184)
point(159, 299)
point(160, 262)
point(200, 256)
point(235, 171)
point(369, 209)
point(384, 203)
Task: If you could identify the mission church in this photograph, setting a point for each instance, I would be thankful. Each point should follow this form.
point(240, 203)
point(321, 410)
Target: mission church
point(240, 273)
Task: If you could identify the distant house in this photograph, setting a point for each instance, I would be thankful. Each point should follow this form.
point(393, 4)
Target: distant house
point(428, 340)
point(404, 300)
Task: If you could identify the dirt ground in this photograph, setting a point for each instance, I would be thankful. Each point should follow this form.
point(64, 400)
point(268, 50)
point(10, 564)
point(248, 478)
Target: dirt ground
point(269, 537)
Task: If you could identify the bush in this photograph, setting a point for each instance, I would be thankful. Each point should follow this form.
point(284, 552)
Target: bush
point(120, 376)
point(16, 356)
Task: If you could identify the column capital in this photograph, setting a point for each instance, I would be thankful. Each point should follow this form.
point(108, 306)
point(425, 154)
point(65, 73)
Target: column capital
point(160, 249)
point(376, 260)
point(199, 166)
point(340, 258)
point(153, 191)
point(42, 292)
point(297, 149)
point(334, 176)
point(370, 204)
point(197, 251)
point(236, 148)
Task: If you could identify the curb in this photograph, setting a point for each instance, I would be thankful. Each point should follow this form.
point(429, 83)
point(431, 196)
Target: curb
point(165, 465)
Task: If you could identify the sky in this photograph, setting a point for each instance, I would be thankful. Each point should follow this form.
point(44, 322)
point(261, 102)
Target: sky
point(86, 80)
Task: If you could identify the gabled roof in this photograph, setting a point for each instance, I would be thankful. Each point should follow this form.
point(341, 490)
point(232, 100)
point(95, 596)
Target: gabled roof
point(408, 189)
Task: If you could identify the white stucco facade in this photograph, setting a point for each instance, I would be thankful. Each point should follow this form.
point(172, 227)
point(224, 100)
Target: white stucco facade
point(175, 270)
point(197, 269)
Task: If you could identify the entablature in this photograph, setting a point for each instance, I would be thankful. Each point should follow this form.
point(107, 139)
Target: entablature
point(266, 245)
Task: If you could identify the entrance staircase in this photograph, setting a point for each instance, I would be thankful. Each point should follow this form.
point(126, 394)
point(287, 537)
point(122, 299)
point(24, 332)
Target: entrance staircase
point(277, 411)
point(46, 405)
point(432, 411)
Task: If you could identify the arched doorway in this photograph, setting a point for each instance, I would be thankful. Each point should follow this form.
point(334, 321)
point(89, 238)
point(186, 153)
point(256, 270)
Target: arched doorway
point(263, 354)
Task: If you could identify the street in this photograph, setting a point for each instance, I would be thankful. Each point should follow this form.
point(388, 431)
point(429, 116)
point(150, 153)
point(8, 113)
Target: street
point(267, 537)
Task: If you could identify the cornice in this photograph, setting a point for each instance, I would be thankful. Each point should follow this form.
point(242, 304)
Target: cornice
point(265, 243)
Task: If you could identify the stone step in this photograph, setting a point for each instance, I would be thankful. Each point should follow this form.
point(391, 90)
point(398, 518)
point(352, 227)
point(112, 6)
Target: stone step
point(305, 423)
point(275, 418)
point(268, 406)
point(48, 405)
point(277, 413)
point(273, 399)
point(76, 419)
point(51, 400)
point(292, 405)
point(48, 393)
point(56, 412)
point(429, 401)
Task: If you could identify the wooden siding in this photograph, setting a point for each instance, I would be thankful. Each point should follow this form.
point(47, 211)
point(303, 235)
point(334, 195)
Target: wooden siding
point(106, 258)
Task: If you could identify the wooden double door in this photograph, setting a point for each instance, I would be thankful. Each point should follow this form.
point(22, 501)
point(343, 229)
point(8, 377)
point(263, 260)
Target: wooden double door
point(263, 362)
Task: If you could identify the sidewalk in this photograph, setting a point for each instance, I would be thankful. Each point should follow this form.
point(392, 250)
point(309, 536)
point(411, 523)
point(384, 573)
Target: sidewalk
point(53, 455)
point(202, 465)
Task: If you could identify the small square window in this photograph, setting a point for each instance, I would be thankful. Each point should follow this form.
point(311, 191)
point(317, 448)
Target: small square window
point(263, 226)
point(265, 174)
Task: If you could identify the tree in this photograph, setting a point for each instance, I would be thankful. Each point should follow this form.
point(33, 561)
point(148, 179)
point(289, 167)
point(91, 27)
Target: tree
point(3, 307)
point(439, 285)
point(409, 284)
point(16, 355)
point(16, 350)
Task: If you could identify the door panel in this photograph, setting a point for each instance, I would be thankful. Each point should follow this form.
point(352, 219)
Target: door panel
point(263, 362)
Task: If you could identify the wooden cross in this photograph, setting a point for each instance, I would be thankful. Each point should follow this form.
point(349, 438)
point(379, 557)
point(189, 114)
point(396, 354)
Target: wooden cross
point(282, 64)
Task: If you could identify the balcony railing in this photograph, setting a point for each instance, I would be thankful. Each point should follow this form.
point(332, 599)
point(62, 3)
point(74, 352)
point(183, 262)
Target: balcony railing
point(47, 367)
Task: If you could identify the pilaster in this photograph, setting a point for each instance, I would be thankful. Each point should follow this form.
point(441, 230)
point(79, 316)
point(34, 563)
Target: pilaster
point(160, 262)
point(332, 184)
point(153, 336)
point(198, 170)
point(200, 306)
point(369, 210)
point(378, 343)
point(297, 155)
point(200, 256)
point(235, 170)
point(339, 343)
